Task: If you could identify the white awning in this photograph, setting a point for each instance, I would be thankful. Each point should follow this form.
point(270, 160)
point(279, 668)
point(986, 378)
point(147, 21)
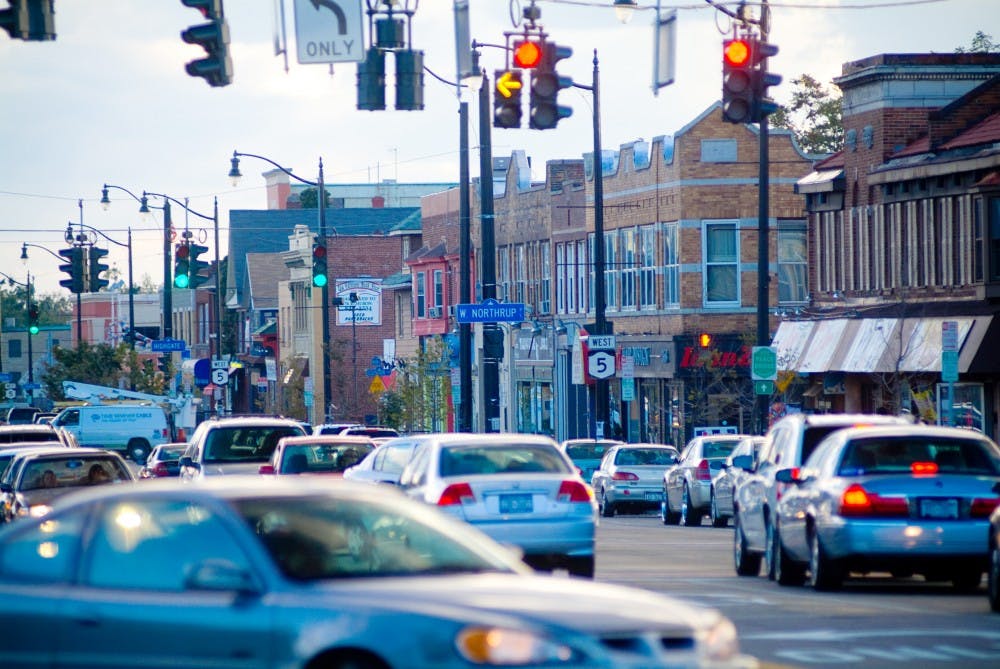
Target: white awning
point(790, 341)
point(827, 338)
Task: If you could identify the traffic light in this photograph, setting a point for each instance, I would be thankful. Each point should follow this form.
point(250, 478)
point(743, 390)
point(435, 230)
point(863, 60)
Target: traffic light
point(74, 267)
point(195, 266)
point(32, 319)
point(371, 81)
point(507, 99)
point(545, 86)
point(163, 364)
point(320, 277)
point(704, 340)
point(182, 265)
point(409, 80)
point(737, 84)
point(527, 54)
point(96, 267)
point(29, 20)
point(761, 79)
point(216, 67)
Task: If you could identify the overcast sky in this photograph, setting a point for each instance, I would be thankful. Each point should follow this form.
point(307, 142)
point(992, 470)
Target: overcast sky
point(109, 101)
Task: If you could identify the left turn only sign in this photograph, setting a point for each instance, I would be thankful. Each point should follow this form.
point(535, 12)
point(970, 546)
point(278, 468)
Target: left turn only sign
point(329, 31)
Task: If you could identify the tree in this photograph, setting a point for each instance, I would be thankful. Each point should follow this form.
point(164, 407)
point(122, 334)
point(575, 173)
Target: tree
point(981, 43)
point(53, 309)
point(102, 365)
point(309, 200)
point(813, 116)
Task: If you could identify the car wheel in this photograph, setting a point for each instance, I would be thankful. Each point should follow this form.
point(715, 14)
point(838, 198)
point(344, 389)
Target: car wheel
point(581, 566)
point(713, 512)
point(966, 580)
point(786, 570)
point(993, 579)
point(747, 563)
point(824, 572)
point(690, 516)
point(607, 508)
point(667, 516)
point(138, 450)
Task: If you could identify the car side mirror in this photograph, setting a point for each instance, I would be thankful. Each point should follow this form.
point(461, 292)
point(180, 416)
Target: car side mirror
point(793, 475)
point(266, 469)
point(186, 461)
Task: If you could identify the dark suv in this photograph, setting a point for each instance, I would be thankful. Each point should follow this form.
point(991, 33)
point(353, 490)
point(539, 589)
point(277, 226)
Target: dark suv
point(788, 443)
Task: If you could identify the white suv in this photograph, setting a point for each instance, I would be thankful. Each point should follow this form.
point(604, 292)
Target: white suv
point(235, 445)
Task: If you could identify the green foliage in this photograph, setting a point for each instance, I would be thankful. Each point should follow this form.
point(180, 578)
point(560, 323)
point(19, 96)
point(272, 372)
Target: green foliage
point(309, 199)
point(422, 387)
point(813, 116)
point(53, 309)
point(981, 43)
point(102, 365)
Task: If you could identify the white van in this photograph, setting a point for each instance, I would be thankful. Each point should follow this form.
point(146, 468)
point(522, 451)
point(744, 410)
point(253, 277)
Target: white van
point(128, 428)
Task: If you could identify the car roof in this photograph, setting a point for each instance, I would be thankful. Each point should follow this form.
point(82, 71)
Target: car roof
point(26, 446)
point(60, 451)
point(647, 446)
point(326, 439)
point(498, 439)
point(26, 427)
point(826, 419)
point(916, 429)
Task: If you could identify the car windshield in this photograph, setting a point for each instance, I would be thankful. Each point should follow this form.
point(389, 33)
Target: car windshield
point(313, 538)
point(71, 472)
point(463, 460)
point(373, 432)
point(172, 453)
point(246, 443)
point(893, 455)
point(588, 451)
point(322, 458)
point(644, 456)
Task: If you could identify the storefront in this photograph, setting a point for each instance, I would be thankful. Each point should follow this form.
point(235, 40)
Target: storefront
point(645, 406)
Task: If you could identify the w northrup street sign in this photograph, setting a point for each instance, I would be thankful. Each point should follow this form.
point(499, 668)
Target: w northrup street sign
point(490, 311)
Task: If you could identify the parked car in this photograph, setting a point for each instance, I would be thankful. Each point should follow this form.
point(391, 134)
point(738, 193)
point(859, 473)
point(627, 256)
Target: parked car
point(586, 454)
point(385, 463)
point(317, 455)
point(788, 443)
point(993, 571)
point(21, 415)
point(906, 499)
point(372, 432)
point(130, 429)
point(294, 572)
point(332, 428)
point(35, 479)
point(631, 476)
point(735, 467)
point(687, 486)
point(519, 489)
point(13, 434)
point(8, 452)
point(235, 445)
point(163, 461)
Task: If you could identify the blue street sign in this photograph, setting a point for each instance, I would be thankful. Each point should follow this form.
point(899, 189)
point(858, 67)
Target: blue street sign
point(31, 386)
point(166, 345)
point(490, 311)
point(4, 377)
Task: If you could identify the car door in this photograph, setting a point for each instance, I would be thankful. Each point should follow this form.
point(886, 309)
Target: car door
point(675, 477)
point(601, 474)
point(135, 606)
point(751, 492)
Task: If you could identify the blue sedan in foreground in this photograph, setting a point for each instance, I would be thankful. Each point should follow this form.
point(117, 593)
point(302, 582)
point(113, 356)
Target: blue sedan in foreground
point(252, 572)
point(903, 499)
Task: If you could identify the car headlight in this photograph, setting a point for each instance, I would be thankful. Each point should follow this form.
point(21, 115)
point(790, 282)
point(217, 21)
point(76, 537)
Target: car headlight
point(720, 642)
point(501, 646)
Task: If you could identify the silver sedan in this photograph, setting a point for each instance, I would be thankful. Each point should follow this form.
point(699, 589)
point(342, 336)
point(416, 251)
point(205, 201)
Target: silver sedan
point(631, 476)
point(734, 469)
point(291, 572)
point(687, 486)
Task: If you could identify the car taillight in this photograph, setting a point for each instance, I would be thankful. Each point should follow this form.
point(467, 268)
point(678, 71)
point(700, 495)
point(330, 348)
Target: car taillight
point(166, 433)
point(456, 493)
point(624, 476)
point(160, 469)
point(703, 472)
point(924, 468)
point(856, 501)
point(574, 491)
point(982, 507)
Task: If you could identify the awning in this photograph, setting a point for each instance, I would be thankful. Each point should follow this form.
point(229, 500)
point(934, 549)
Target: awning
point(790, 342)
point(869, 347)
point(827, 338)
point(820, 181)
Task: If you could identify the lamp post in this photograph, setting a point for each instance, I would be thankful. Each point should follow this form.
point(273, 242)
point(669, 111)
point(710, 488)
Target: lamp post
point(235, 175)
point(80, 238)
point(27, 311)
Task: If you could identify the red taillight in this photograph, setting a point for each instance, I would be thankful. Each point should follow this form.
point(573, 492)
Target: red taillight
point(160, 469)
point(573, 491)
point(924, 468)
point(703, 472)
point(624, 476)
point(982, 507)
point(166, 433)
point(456, 493)
point(856, 501)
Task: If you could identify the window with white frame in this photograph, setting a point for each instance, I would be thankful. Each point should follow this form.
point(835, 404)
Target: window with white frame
point(503, 274)
point(520, 275)
point(421, 294)
point(572, 269)
point(438, 288)
point(582, 278)
point(611, 271)
point(545, 299)
point(647, 267)
point(792, 262)
point(629, 268)
point(721, 259)
point(671, 266)
point(562, 282)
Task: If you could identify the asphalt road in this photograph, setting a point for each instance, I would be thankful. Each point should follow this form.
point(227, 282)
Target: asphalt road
point(872, 622)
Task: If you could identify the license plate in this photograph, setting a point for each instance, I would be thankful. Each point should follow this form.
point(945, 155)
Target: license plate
point(654, 496)
point(516, 504)
point(939, 508)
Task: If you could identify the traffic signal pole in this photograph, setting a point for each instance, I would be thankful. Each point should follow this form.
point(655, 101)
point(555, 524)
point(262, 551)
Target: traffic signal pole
point(491, 363)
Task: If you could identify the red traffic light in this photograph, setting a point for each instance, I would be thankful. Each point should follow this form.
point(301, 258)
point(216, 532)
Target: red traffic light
point(527, 55)
point(319, 252)
point(737, 52)
point(183, 251)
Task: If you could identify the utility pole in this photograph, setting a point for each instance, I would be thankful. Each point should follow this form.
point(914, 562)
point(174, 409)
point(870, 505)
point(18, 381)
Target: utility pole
point(491, 359)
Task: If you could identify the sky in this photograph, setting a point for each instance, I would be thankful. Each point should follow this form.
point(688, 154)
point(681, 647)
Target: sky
point(109, 101)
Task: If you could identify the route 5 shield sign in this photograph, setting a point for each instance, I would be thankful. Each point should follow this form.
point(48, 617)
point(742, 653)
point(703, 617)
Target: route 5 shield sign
point(601, 364)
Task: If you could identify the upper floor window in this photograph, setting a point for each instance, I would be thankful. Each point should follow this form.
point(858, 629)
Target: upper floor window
point(792, 262)
point(721, 244)
point(438, 288)
point(647, 266)
point(671, 266)
point(503, 274)
point(421, 295)
point(545, 298)
point(629, 267)
point(13, 348)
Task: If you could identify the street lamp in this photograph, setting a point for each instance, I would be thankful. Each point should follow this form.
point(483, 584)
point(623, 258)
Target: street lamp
point(624, 9)
point(235, 175)
point(27, 311)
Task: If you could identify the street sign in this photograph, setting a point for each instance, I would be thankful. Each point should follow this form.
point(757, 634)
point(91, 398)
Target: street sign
point(628, 389)
point(4, 377)
point(949, 336)
point(490, 311)
point(167, 345)
point(601, 364)
point(10, 394)
point(31, 386)
point(764, 364)
point(220, 377)
point(601, 342)
point(220, 364)
point(949, 366)
point(329, 31)
point(10, 386)
point(763, 387)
